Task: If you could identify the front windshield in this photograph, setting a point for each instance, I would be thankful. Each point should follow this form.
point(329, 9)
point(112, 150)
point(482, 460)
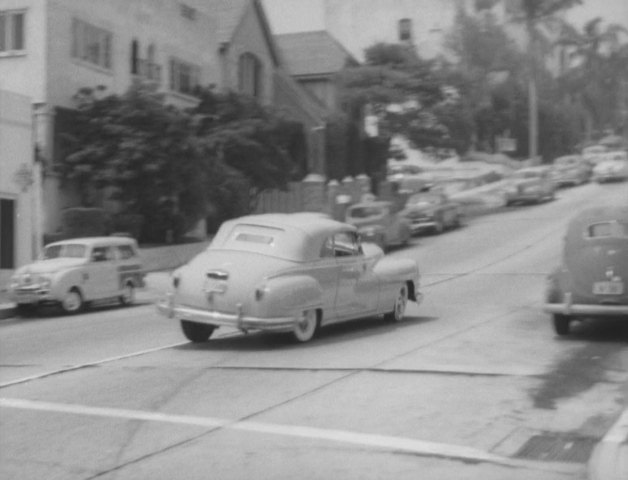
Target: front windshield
point(67, 250)
point(424, 199)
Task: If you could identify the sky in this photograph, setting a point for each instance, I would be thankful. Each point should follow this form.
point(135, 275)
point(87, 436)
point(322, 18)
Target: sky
point(288, 16)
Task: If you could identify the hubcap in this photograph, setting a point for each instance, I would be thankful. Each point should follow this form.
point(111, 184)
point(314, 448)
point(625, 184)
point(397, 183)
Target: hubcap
point(72, 301)
point(400, 306)
point(129, 294)
point(306, 326)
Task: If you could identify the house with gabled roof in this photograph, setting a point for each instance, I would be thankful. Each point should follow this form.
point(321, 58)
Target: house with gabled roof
point(251, 63)
point(53, 48)
point(313, 59)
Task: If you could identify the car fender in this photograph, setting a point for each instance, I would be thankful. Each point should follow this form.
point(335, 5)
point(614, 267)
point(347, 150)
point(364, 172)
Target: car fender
point(291, 294)
point(65, 280)
point(394, 271)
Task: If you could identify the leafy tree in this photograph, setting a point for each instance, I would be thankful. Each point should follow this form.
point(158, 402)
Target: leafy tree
point(172, 166)
point(408, 95)
point(140, 152)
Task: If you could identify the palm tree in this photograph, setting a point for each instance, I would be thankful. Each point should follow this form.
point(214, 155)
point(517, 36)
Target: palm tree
point(596, 80)
point(536, 13)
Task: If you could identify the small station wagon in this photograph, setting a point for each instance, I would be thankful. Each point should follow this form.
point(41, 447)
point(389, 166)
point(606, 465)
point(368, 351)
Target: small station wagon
point(592, 280)
point(73, 272)
point(287, 273)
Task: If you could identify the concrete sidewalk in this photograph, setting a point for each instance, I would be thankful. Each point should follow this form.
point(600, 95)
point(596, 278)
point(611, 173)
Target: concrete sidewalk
point(158, 262)
point(609, 460)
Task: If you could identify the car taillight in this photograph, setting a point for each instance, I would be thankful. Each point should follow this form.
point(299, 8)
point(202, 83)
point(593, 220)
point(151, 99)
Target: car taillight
point(176, 281)
point(260, 292)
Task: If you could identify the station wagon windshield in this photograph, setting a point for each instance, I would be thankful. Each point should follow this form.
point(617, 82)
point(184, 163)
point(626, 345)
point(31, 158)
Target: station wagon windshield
point(365, 212)
point(70, 250)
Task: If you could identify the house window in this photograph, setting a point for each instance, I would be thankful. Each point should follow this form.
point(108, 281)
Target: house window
point(250, 75)
point(12, 31)
point(405, 30)
point(184, 76)
point(188, 12)
point(91, 44)
point(135, 47)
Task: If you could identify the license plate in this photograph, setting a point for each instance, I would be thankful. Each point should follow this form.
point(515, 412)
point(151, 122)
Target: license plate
point(215, 286)
point(608, 288)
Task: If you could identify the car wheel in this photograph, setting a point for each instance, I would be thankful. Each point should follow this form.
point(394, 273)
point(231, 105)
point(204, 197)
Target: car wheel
point(196, 332)
point(128, 295)
point(561, 324)
point(381, 242)
point(399, 309)
point(306, 327)
point(439, 226)
point(72, 302)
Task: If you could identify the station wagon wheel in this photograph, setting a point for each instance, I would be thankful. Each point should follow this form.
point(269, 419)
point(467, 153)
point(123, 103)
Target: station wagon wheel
point(128, 294)
point(561, 324)
point(306, 327)
point(196, 332)
point(72, 302)
point(399, 310)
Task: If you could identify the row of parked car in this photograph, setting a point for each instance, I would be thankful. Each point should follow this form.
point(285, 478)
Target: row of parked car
point(298, 272)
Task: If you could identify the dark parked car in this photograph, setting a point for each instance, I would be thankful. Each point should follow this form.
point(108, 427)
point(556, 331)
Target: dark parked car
point(591, 282)
point(531, 184)
point(433, 211)
point(378, 222)
point(571, 170)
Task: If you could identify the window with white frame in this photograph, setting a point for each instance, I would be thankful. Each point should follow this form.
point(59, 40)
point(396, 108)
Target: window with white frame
point(185, 77)
point(405, 30)
point(12, 34)
point(250, 75)
point(91, 44)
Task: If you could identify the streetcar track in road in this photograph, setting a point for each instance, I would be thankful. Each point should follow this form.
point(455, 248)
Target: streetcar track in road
point(393, 444)
point(477, 270)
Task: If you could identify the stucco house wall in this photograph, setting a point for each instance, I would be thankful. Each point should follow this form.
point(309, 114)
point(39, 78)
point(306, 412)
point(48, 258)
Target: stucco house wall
point(17, 177)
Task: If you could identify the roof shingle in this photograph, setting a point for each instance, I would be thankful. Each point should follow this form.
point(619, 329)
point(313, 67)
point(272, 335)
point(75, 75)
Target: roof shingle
point(312, 53)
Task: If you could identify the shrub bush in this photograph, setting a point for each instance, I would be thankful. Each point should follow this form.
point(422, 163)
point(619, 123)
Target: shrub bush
point(130, 223)
point(84, 222)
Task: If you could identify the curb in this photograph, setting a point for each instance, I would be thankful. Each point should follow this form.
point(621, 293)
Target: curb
point(609, 460)
point(7, 311)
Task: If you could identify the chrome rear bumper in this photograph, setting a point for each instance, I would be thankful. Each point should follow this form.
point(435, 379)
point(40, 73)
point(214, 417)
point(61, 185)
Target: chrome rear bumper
point(169, 309)
point(569, 308)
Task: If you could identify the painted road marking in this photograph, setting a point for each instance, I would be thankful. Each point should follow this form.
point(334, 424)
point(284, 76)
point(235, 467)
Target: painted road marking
point(90, 364)
point(398, 444)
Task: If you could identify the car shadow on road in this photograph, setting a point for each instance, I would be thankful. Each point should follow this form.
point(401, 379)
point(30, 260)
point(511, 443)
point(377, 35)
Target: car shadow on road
point(45, 312)
point(598, 330)
point(331, 334)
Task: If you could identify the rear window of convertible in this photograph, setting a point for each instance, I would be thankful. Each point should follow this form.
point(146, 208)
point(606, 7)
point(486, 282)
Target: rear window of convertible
point(607, 229)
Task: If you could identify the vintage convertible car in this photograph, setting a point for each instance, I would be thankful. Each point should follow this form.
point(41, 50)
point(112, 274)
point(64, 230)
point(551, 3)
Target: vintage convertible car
point(591, 281)
point(73, 272)
point(432, 210)
point(287, 273)
point(571, 170)
point(378, 222)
